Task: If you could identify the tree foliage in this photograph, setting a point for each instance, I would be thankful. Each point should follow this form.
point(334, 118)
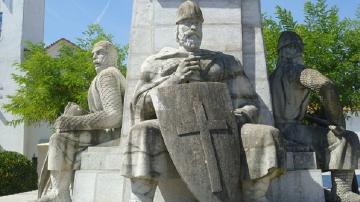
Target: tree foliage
point(47, 84)
point(332, 46)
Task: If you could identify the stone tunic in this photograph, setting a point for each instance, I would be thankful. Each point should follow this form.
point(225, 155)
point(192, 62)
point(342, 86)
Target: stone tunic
point(102, 124)
point(145, 153)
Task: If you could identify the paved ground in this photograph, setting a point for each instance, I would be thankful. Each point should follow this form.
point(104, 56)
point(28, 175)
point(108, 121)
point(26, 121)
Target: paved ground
point(22, 197)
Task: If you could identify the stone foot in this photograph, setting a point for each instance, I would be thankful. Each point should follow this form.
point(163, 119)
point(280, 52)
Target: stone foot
point(56, 197)
point(142, 190)
point(349, 197)
point(342, 186)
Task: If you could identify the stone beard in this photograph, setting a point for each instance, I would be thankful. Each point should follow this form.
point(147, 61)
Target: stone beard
point(189, 39)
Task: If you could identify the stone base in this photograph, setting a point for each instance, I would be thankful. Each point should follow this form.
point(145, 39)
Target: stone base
point(99, 186)
point(298, 186)
point(99, 180)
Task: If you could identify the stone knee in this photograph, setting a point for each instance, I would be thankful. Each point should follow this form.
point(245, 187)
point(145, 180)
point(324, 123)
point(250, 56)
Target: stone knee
point(58, 153)
point(142, 190)
point(263, 148)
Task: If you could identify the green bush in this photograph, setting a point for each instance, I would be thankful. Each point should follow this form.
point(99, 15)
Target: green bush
point(17, 174)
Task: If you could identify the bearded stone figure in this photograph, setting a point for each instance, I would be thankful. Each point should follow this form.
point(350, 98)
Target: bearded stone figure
point(77, 129)
point(146, 159)
point(337, 150)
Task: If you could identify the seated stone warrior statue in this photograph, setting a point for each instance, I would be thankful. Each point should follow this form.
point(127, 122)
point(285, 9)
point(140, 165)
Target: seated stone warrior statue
point(76, 130)
point(336, 149)
point(146, 159)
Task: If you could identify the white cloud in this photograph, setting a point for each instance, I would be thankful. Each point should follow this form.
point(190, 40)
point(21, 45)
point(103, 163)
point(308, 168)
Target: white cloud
point(103, 12)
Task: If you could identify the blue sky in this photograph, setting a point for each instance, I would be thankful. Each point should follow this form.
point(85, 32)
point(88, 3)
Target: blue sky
point(69, 18)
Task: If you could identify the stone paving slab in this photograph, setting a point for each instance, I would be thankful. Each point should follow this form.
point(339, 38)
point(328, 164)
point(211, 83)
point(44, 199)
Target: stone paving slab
point(22, 197)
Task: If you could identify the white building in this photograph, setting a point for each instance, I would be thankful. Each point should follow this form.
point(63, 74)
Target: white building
point(20, 21)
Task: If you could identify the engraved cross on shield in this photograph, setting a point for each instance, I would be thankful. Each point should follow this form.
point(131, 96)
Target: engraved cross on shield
point(202, 138)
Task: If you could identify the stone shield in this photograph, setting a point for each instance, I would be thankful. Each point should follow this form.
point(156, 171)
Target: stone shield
point(201, 135)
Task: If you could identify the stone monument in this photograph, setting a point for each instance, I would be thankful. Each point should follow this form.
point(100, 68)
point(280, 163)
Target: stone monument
point(230, 26)
point(77, 129)
point(327, 146)
point(177, 117)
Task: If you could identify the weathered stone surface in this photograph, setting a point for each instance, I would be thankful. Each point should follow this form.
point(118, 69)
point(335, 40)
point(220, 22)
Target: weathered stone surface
point(336, 149)
point(101, 160)
point(263, 150)
point(77, 129)
point(200, 130)
point(170, 66)
point(301, 160)
point(98, 186)
point(297, 186)
point(149, 16)
point(253, 56)
point(42, 150)
point(100, 177)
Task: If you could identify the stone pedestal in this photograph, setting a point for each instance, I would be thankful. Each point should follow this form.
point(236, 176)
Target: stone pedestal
point(99, 180)
point(302, 182)
point(298, 186)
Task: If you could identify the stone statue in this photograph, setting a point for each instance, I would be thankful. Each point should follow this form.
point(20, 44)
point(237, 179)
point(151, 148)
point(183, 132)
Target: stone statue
point(336, 149)
point(76, 130)
point(146, 158)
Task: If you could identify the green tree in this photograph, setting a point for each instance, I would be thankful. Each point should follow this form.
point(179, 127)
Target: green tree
point(47, 84)
point(332, 46)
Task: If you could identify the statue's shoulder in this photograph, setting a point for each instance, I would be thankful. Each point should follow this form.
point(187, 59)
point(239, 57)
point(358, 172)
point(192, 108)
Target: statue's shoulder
point(230, 62)
point(163, 53)
point(110, 71)
point(155, 61)
point(220, 56)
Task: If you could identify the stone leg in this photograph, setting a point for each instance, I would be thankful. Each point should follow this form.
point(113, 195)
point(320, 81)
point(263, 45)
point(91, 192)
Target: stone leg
point(142, 190)
point(60, 191)
point(342, 186)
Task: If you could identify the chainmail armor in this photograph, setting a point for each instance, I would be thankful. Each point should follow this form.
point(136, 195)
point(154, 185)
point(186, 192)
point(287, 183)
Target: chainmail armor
point(314, 80)
point(107, 83)
point(326, 90)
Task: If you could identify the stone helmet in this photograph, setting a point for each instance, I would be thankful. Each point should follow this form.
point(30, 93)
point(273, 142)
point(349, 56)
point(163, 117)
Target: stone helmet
point(189, 10)
point(289, 37)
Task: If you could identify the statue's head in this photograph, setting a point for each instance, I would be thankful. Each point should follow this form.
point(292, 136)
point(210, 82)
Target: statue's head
point(104, 55)
point(189, 26)
point(290, 44)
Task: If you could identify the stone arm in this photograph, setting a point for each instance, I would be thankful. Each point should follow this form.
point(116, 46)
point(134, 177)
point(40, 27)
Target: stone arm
point(149, 81)
point(243, 95)
point(109, 117)
point(321, 85)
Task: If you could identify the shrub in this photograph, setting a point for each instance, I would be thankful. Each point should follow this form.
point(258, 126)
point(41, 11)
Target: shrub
point(17, 174)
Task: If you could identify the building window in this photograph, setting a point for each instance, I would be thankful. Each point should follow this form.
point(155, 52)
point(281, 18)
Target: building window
point(1, 15)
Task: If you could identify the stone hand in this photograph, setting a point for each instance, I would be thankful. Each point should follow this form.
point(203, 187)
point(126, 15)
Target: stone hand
point(246, 114)
point(188, 69)
point(337, 130)
point(241, 116)
point(73, 109)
